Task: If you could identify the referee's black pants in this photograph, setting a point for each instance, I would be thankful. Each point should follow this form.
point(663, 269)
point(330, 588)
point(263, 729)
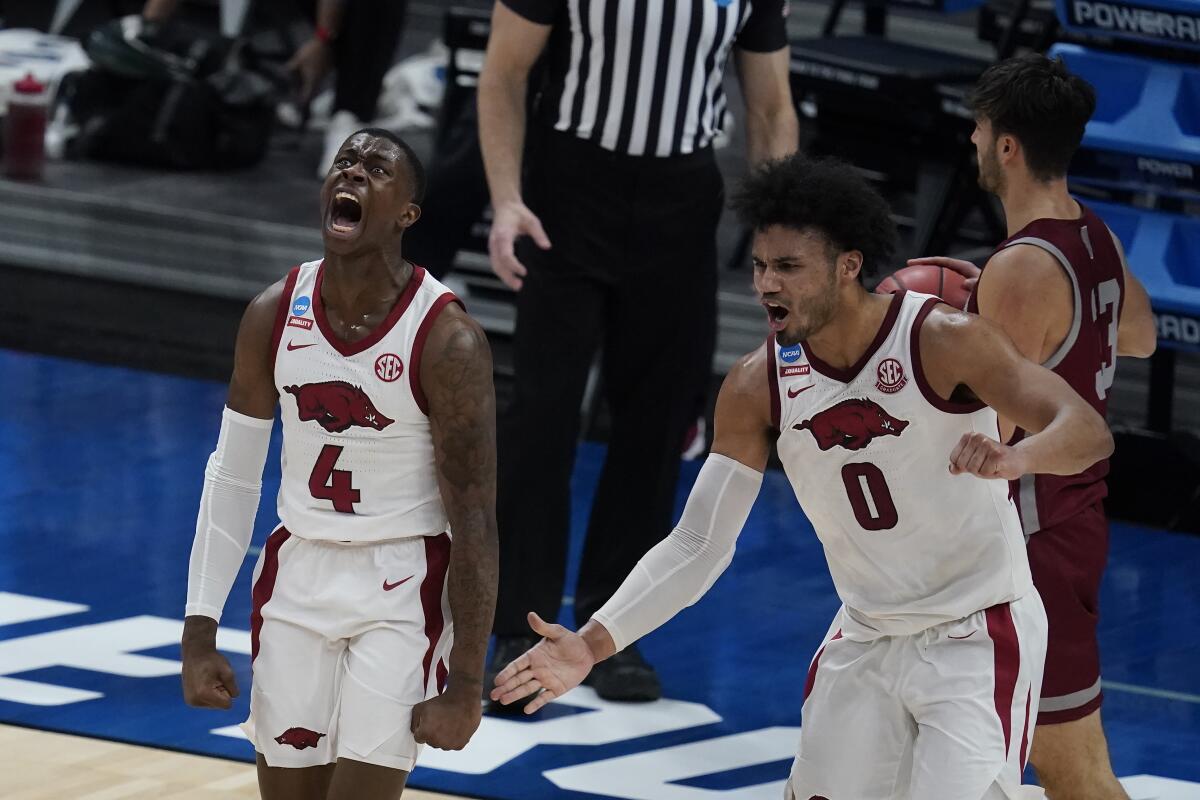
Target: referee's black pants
point(632, 271)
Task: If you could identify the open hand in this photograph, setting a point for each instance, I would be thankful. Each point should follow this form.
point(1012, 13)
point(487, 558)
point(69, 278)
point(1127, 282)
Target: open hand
point(509, 222)
point(981, 455)
point(962, 267)
point(309, 64)
point(555, 665)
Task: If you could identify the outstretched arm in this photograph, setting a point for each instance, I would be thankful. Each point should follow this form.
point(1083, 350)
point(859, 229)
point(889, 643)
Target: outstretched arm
point(456, 375)
point(232, 484)
point(1066, 434)
point(678, 570)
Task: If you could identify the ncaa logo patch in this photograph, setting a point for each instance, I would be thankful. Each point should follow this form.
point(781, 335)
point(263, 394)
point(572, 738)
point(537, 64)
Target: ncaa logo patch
point(389, 367)
point(790, 353)
point(301, 306)
point(890, 376)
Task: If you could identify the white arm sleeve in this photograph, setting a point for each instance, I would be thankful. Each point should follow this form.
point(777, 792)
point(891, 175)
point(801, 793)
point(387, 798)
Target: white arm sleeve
point(232, 484)
point(680, 569)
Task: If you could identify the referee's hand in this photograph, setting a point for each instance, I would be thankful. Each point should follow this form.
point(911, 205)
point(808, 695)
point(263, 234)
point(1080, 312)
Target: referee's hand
point(510, 221)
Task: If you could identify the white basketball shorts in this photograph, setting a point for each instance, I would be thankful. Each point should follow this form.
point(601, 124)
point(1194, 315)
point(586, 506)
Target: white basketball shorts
point(944, 714)
point(345, 640)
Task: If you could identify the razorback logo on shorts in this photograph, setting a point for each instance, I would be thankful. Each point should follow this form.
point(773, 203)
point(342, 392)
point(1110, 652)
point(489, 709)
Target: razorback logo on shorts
point(851, 424)
point(299, 738)
point(337, 406)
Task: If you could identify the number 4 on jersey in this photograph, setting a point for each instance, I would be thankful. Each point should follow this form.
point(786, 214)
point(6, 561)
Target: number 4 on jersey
point(327, 483)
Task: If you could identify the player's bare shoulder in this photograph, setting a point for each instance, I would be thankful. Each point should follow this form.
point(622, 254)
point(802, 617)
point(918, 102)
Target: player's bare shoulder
point(252, 387)
point(457, 352)
point(956, 345)
point(747, 378)
point(745, 398)
point(1026, 274)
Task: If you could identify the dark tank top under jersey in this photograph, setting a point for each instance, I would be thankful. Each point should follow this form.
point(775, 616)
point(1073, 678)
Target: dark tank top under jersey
point(1086, 359)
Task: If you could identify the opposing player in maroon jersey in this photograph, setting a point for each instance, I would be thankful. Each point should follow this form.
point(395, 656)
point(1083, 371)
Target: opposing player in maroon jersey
point(1060, 287)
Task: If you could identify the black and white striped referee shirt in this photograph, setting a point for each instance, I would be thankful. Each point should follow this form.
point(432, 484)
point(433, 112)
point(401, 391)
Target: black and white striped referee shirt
point(643, 77)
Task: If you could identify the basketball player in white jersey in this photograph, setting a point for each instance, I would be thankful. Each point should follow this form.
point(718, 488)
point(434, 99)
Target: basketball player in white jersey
point(385, 391)
point(881, 409)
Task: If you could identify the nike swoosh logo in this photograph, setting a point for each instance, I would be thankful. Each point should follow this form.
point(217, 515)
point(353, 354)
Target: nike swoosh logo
point(387, 587)
point(794, 392)
point(968, 636)
point(291, 346)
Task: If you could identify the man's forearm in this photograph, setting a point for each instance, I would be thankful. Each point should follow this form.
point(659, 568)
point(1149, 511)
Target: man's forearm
point(1076, 439)
point(472, 584)
point(771, 136)
point(502, 134)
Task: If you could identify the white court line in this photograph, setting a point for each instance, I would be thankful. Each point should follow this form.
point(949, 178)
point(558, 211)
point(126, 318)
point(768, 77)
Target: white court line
point(1166, 694)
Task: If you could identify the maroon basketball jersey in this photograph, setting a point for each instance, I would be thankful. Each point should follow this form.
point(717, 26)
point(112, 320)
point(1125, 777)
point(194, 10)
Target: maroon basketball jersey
point(1087, 358)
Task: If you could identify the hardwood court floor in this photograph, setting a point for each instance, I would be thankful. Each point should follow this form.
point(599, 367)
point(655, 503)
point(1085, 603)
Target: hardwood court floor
point(36, 765)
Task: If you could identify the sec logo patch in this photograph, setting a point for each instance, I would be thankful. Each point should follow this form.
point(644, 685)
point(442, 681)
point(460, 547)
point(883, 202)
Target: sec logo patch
point(389, 367)
point(890, 377)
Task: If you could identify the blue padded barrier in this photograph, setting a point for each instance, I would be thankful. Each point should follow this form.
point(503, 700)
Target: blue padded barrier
point(1163, 251)
point(1145, 134)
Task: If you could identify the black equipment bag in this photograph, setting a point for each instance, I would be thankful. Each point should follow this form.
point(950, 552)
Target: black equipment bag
point(179, 98)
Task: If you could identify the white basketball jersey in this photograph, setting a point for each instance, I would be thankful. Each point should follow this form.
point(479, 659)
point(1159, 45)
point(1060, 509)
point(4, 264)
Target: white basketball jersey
point(867, 451)
point(358, 462)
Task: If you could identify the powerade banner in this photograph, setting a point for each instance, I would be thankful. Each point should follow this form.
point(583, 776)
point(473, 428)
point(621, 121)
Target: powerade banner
point(1174, 23)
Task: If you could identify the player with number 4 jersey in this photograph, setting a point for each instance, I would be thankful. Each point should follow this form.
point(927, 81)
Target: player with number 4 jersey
point(373, 599)
point(883, 412)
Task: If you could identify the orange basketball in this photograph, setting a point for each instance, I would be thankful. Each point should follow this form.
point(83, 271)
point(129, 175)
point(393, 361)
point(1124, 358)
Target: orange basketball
point(945, 283)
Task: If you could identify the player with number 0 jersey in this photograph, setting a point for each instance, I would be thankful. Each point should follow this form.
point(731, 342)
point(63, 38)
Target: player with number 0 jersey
point(883, 411)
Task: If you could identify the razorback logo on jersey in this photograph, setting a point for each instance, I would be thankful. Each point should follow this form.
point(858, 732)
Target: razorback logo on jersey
point(299, 738)
point(337, 406)
point(851, 424)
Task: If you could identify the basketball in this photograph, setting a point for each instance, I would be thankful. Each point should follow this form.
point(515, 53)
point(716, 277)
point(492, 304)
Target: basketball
point(945, 283)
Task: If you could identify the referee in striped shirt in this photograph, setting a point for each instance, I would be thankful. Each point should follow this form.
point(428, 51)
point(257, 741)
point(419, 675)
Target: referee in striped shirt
point(614, 228)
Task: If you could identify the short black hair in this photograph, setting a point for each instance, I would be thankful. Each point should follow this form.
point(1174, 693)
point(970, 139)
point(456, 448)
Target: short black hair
point(825, 194)
point(414, 163)
point(1039, 101)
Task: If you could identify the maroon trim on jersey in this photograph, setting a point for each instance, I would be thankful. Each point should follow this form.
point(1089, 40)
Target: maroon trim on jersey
point(932, 397)
point(437, 561)
point(773, 383)
point(812, 668)
point(418, 348)
point(1025, 731)
point(1007, 663)
point(403, 301)
point(281, 314)
point(849, 374)
point(264, 587)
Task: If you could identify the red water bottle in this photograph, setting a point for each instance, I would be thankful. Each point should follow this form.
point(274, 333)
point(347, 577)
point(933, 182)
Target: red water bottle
point(25, 130)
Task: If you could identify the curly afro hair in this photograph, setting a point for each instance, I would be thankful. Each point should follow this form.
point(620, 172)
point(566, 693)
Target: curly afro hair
point(824, 194)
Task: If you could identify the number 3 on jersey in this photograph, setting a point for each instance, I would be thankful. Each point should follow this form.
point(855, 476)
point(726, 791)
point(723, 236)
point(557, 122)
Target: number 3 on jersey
point(327, 483)
point(1107, 300)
